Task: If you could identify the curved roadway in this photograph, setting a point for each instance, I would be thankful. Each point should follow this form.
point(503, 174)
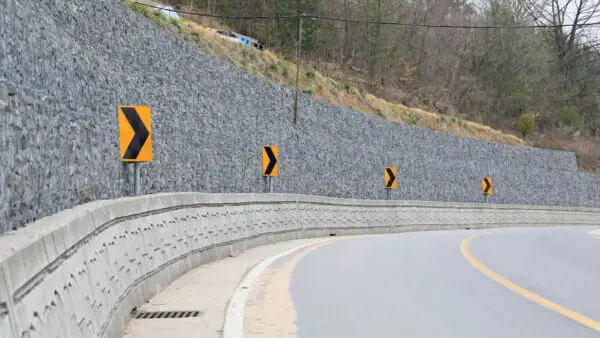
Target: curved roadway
point(466, 284)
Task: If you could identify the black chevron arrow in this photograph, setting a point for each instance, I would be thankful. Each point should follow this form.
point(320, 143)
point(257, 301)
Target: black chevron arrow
point(140, 130)
point(272, 161)
point(488, 186)
point(392, 177)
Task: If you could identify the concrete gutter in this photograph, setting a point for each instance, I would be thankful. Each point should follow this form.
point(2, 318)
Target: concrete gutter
point(79, 273)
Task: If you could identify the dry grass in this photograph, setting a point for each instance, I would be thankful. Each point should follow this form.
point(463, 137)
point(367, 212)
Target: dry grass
point(275, 68)
point(586, 148)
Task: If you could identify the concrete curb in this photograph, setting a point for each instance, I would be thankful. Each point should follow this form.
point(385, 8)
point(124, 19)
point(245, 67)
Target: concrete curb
point(233, 326)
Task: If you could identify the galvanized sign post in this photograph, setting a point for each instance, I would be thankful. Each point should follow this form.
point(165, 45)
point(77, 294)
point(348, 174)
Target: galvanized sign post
point(135, 139)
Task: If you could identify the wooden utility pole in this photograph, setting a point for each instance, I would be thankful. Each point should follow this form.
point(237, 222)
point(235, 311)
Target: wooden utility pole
point(298, 51)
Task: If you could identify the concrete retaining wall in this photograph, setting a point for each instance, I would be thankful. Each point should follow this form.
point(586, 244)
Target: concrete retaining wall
point(79, 273)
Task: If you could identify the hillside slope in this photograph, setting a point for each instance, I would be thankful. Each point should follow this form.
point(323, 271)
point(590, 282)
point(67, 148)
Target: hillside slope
point(275, 68)
point(344, 91)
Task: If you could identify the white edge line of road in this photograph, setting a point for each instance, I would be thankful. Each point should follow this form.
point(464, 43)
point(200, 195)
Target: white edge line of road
point(234, 317)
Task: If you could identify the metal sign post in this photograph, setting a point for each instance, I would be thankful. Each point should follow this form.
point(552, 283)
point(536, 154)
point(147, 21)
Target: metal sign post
point(136, 179)
point(268, 187)
point(135, 139)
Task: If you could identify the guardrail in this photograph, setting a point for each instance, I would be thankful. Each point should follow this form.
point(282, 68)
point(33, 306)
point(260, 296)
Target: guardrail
point(79, 273)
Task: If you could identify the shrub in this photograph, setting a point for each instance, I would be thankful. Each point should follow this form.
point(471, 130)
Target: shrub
point(310, 74)
point(159, 14)
point(525, 124)
point(158, 19)
point(273, 68)
point(349, 87)
point(413, 119)
point(139, 9)
point(307, 91)
point(567, 116)
point(175, 22)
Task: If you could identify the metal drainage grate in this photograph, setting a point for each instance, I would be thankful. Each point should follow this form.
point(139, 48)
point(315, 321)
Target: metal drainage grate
point(167, 314)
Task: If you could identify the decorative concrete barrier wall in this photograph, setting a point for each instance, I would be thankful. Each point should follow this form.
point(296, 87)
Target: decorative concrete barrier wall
point(79, 273)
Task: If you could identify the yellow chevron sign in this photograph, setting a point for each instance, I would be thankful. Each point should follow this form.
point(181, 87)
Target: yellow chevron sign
point(486, 186)
point(270, 162)
point(389, 178)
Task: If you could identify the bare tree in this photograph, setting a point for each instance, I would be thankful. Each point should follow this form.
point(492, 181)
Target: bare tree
point(558, 13)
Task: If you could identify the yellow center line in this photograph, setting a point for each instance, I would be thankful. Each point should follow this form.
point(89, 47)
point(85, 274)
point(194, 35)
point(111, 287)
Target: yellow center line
point(581, 319)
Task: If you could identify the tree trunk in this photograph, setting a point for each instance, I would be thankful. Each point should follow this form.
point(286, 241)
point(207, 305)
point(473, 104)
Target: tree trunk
point(346, 54)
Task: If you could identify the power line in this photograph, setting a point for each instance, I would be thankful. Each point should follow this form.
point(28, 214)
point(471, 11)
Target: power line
point(388, 23)
point(281, 17)
point(395, 23)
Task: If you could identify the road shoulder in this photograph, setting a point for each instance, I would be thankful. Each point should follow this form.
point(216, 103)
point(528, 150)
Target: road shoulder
point(207, 289)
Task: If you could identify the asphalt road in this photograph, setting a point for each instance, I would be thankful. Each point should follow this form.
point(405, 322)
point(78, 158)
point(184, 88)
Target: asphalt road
point(538, 283)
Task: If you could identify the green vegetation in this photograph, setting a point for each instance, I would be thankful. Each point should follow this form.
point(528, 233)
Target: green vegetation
point(143, 10)
point(159, 15)
point(568, 118)
point(350, 88)
point(310, 74)
point(273, 68)
point(196, 38)
point(245, 66)
point(525, 124)
point(413, 119)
